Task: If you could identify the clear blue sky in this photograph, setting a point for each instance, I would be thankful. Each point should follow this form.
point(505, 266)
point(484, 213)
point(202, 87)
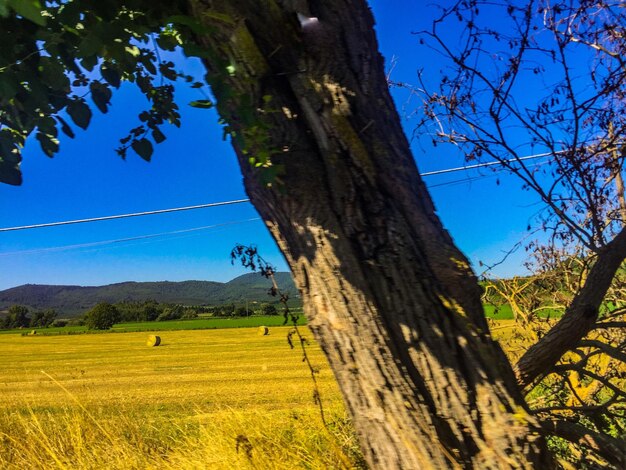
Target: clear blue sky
point(194, 166)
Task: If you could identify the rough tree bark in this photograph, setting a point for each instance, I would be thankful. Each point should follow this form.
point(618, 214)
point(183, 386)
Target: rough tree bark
point(391, 300)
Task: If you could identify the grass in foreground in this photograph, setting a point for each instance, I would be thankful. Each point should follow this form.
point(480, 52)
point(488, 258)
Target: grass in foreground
point(218, 439)
point(215, 399)
point(109, 401)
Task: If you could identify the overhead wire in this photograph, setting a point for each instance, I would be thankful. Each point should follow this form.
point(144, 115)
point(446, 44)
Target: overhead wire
point(127, 239)
point(125, 216)
point(242, 201)
point(469, 179)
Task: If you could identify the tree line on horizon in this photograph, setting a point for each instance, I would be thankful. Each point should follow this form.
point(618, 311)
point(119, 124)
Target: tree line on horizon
point(104, 314)
point(18, 317)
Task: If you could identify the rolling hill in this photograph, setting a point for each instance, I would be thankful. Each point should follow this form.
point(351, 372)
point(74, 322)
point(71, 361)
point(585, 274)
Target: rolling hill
point(70, 301)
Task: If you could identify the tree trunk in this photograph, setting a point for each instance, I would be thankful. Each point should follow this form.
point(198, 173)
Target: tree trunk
point(391, 300)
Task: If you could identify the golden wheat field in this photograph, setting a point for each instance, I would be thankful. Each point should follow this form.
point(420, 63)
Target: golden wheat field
point(202, 399)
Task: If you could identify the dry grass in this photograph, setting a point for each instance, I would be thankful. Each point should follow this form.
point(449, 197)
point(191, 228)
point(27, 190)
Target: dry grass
point(214, 399)
point(109, 401)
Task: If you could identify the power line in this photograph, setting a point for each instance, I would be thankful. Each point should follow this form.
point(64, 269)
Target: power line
point(469, 179)
point(241, 201)
point(124, 216)
point(480, 165)
point(128, 239)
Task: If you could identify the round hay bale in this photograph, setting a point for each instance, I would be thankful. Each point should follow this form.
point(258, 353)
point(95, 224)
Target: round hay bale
point(263, 331)
point(32, 333)
point(153, 340)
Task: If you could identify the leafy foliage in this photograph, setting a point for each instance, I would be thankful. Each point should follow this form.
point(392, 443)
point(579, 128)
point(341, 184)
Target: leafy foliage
point(102, 317)
point(60, 59)
point(17, 317)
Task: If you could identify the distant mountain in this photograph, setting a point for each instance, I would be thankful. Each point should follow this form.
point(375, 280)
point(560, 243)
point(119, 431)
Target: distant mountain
point(70, 301)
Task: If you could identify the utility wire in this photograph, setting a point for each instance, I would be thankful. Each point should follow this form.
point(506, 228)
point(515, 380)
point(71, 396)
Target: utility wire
point(128, 239)
point(241, 201)
point(124, 216)
point(481, 165)
point(469, 179)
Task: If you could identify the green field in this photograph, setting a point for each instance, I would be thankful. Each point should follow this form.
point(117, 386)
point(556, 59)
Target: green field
point(501, 313)
point(109, 401)
point(504, 312)
point(192, 324)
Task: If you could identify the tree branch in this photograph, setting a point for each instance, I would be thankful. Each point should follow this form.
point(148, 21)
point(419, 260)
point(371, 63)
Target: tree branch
point(609, 448)
point(579, 318)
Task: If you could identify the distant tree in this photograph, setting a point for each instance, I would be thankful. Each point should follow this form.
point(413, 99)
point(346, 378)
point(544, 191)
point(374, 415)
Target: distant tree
point(130, 311)
point(228, 310)
point(171, 313)
point(269, 309)
point(59, 323)
point(17, 317)
point(240, 312)
point(189, 312)
point(211, 311)
point(43, 318)
point(151, 310)
point(102, 317)
point(78, 321)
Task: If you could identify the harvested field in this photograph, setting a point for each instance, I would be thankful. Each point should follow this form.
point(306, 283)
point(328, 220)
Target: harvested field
point(94, 401)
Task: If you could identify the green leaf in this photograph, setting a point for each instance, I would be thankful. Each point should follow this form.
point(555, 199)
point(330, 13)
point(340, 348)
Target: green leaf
point(167, 71)
point(270, 175)
point(29, 9)
point(111, 75)
point(158, 136)
point(168, 42)
point(149, 65)
point(65, 127)
point(53, 73)
point(89, 62)
point(9, 86)
point(79, 112)
point(47, 126)
point(49, 144)
point(193, 50)
point(143, 147)
point(195, 25)
point(101, 95)
point(10, 159)
point(204, 104)
point(90, 46)
point(10, 173)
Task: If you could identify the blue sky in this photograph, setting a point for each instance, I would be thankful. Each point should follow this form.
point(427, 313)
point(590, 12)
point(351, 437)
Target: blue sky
point(195, 166)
